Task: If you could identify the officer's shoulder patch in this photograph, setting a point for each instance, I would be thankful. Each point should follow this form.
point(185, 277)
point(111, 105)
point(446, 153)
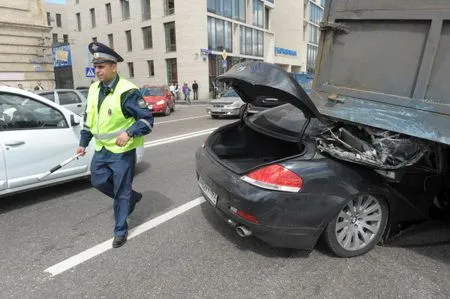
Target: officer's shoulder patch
point(142, 103)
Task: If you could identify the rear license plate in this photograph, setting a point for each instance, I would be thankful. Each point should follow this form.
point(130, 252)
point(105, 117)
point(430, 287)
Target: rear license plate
point(210, 195)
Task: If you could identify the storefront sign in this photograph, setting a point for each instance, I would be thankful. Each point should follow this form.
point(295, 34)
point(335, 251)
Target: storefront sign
point(61, 56)
point(282, 51)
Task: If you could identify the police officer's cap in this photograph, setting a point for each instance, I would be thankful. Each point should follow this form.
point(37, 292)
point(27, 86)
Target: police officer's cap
point(103, 53)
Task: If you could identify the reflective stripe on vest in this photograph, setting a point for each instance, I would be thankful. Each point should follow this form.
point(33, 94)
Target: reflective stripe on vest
point(108, 122)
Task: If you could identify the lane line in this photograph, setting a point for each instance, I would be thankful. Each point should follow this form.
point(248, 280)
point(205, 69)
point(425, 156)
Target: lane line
point(105, 246)
point(178, 137)
point(180, 119)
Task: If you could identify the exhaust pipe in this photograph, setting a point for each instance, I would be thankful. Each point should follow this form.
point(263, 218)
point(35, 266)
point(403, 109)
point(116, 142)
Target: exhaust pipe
point(243, 232)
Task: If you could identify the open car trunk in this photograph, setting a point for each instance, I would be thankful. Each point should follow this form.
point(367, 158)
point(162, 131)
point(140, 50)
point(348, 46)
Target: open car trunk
point(241, 148)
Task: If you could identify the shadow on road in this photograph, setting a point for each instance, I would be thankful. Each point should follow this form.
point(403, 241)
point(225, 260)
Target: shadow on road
point(249, 243)
point(151, 205)
point(141, 168)
point(29, 198)
point(430, 239)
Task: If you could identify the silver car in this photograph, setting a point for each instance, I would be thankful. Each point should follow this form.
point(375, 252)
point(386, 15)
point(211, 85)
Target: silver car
point(71, 99)
point(229, 104)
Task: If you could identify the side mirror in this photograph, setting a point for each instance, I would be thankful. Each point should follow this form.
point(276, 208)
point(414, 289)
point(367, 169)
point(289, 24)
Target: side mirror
point(73, 122)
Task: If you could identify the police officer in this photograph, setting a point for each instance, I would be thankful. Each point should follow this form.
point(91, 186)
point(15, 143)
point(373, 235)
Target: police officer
point(117, 117)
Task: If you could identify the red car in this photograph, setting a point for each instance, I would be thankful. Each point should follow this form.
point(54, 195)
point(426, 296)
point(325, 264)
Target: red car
point(159, 99)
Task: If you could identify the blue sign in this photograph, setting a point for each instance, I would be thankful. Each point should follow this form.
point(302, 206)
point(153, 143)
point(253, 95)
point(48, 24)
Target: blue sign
point(89, 72)
point(61, 56)
point(283, 51)
point(205, 51)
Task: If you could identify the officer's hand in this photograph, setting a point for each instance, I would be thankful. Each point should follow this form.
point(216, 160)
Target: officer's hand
point(81, 150)
point(122, 139)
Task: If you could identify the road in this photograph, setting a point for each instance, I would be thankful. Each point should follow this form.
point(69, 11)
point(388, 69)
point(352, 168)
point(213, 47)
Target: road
point(56, 242)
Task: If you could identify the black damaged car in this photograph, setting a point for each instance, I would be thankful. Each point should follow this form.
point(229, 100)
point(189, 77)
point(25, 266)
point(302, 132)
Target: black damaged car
point(290, 175)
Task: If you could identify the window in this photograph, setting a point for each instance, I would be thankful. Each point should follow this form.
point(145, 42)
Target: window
point(92, 10)
point(313, 34)
point(258, 13)
point(323, 3)
point(315, 13)
point(65, 38)
point(251, 41)
point(108, 13)
point(77, 1)
point(49, 21)
point(219, 35)
point(146, 14)
point(235, 9)
point(267, 18)
point(94, 39)
point(147, 35)
point(129, 42)
point(68, 97)
point(172, 73)
point(58, 20)
point(125, 5)
point(78, 21)
point(151, 68)
point(55, 38)
point(111, 40)
point(50, 96)
point(169, 7)
point(130, 69)
point(21, 113)
point(311, 53)
point(171, 41)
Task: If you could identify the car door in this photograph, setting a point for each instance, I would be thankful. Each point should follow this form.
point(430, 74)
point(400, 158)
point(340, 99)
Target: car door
point(71, 100)
point(3, 183)
point(35, 138)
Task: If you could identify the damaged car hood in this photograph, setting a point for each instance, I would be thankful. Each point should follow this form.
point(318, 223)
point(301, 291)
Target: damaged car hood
point(254, 80)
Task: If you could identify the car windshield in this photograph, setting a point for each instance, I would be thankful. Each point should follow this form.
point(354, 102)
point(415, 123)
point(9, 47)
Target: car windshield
point(285, 121)
point(84, 92)
point(230, 93)
point(152, 91)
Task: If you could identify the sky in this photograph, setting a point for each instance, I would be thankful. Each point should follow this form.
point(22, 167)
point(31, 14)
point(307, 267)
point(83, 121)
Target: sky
point(57, 1)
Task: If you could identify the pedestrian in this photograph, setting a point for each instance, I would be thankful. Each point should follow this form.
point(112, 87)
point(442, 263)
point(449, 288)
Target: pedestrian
point(186, 91)
point(117, 117)
point(38, 86)
point(172, 89)
point(177, 92)
point(20, 85)
point(195, 90)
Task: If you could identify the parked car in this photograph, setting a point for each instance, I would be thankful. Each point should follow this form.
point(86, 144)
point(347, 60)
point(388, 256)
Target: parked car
point(159, 99)
point(72, 99)
point(37, 134)
point(229, 104)
point(290, 175)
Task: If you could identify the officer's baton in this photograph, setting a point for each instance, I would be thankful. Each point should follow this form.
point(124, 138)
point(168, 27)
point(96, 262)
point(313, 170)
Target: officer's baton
point(65, 162)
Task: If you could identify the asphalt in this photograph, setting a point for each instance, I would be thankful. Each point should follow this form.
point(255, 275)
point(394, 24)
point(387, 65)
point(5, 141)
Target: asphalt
point(194, 255)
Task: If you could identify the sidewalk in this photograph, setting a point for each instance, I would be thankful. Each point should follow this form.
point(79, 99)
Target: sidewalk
point(198, 102)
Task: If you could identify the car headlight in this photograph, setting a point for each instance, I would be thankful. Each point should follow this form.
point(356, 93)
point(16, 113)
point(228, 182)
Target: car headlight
point(160, 102)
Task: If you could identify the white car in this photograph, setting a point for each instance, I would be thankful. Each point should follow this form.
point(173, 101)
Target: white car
point(36, 135)
point(71, 99)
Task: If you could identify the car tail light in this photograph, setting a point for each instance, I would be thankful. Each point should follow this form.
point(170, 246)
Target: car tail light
point(275, 177)
point(244, 215)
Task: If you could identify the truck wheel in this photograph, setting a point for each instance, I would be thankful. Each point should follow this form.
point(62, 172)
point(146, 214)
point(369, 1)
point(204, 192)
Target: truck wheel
point(358, 226)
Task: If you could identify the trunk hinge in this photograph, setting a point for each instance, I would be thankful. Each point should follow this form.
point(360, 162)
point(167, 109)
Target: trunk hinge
point(243, 115)
point(325, 26)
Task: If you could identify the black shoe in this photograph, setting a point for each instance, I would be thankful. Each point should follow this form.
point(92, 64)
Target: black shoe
point(134, 202)
point(119, 241)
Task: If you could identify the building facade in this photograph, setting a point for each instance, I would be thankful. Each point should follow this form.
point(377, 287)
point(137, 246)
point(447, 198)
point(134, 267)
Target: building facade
point(25, 44)
point(164, 41)
point(313, 15)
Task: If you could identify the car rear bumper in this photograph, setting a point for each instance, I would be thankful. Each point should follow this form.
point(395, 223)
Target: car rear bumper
point(275, 226)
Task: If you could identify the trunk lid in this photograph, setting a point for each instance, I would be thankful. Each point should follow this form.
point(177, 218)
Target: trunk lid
point(256, 81)
point(386, 64)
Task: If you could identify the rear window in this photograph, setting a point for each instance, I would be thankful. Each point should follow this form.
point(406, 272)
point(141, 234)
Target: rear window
point(50, 96)
point(285, 121)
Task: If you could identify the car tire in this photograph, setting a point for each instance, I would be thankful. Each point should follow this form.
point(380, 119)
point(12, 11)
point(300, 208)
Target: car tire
point(215, 116)
point(358, 226)
point(167, 111)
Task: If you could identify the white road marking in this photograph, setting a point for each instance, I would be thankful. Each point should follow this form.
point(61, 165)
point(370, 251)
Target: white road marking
point(180, 119)
point(178, 137)
point(105, 246)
